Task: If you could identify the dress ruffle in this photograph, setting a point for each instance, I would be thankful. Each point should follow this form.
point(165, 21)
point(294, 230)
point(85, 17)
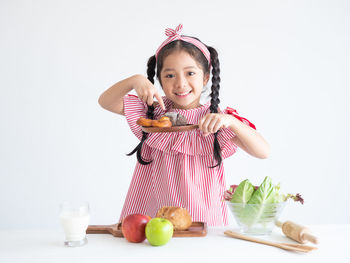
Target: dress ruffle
point(191, 142)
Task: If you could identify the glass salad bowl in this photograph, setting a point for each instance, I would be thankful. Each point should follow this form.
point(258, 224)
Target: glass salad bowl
point(256, 219)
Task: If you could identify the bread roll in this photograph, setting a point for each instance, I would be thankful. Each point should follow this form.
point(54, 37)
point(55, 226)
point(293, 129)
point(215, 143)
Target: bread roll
point(176, 118)
point(179, 216)
point(181, 120)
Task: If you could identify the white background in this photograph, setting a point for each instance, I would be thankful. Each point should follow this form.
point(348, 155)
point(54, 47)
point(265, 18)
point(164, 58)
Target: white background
point(284, 66)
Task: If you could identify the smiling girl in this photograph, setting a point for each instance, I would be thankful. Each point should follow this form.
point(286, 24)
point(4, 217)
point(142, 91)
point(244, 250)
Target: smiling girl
point(181, 169)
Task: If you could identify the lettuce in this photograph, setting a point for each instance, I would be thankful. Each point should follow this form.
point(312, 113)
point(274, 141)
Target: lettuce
point(243, 192)
point(278, 198)
point(265, 194)
point(258, 204)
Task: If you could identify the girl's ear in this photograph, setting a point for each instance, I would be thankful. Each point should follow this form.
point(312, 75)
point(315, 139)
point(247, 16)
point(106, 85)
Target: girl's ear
point(206, 78)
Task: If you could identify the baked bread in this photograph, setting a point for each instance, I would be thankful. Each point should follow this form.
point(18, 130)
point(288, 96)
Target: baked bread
point(161, 123)
point(179, 216)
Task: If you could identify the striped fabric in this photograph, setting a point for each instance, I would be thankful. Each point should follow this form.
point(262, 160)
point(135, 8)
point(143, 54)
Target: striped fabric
point(179, 174)
point(174, 34)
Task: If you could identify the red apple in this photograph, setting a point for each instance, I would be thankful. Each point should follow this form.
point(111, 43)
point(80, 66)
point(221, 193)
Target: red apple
point(133, 227)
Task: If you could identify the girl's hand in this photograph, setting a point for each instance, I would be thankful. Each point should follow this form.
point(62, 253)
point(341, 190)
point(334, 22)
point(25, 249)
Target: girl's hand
point(213, 122)
point(146, 91)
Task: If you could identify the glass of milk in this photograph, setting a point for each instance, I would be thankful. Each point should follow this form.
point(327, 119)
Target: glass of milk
point(75, 217)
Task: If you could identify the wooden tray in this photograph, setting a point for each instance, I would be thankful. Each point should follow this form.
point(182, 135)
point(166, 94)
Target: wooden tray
point(170, 129)
point(197, 229)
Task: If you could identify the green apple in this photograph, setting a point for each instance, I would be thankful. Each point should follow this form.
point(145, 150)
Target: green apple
point(159, 231)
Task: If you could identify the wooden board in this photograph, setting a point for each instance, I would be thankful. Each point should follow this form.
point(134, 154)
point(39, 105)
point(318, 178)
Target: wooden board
point(197, 229)
point(170, 129)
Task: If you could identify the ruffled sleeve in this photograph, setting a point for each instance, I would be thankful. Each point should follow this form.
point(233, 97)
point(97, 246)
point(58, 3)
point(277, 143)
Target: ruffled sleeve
point(228, 148)
point(134, 108)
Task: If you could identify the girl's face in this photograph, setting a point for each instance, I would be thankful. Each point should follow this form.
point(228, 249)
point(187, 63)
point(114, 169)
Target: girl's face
point(182, 80)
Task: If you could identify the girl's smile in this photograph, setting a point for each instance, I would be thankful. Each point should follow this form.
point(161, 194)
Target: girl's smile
point(182, 80)
point(184, 94)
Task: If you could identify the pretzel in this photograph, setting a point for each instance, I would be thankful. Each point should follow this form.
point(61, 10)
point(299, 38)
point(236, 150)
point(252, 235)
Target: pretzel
point(144, 122)
point(161, 123)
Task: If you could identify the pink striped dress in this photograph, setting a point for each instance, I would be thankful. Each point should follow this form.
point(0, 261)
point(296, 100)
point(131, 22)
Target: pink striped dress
point(179, 174)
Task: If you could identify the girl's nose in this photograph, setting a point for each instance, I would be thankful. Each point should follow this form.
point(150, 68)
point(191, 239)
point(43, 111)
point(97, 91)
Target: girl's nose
point(181, 81)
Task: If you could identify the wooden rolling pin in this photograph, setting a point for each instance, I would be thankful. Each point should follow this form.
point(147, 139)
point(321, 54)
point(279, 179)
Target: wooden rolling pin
point(297, 232)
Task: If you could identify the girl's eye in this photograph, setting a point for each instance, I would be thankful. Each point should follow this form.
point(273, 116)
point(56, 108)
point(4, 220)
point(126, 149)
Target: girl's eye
point(191, 73)
point(169, 76)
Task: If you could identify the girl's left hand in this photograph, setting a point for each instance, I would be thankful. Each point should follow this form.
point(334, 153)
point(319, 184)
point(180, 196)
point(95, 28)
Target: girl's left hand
point(213, 122)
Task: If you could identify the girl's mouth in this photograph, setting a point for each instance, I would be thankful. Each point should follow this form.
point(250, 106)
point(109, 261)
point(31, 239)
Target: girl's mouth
point(183, 94)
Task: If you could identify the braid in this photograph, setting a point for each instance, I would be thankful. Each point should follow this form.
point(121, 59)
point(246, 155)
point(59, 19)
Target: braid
point(151, 65)
point(214, 102)
point(150, 112)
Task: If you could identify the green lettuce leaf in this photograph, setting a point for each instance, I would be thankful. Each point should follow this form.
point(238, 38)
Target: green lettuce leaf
point(243, 192)
point(265, 194)
point(278, 197)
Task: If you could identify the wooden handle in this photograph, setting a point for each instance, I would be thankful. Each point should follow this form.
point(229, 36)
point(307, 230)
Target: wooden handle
point(187, 127)
point(311, 238)
point(99, 229)
point(278, 223)
point(266, 242)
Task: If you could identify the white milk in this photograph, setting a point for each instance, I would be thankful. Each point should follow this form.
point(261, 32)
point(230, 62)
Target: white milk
point(74, 224)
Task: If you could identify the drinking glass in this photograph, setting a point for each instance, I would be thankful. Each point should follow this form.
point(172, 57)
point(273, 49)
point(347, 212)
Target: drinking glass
point(74, 218)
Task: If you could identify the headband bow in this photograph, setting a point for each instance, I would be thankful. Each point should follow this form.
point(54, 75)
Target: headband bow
point(173, 34)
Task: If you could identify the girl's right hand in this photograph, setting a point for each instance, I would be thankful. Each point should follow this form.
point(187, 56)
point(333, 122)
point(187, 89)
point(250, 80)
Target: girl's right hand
point(146, 91)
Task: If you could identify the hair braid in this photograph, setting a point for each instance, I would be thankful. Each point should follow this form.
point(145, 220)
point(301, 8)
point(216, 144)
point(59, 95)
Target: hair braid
point(151, 64)
point(214, 102)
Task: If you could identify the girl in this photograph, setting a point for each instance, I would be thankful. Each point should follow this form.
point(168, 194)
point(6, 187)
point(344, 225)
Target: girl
point(181, 169)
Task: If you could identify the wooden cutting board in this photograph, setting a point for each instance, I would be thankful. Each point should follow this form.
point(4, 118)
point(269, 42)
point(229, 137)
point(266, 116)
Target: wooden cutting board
point(197, 229)
point(183, 128)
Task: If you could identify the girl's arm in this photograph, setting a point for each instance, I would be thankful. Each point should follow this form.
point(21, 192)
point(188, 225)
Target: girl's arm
point(246, 137)
point(112, 98)
point(249, 139)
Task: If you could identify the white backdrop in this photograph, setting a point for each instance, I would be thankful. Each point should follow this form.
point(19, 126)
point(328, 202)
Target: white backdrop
point(284, 66)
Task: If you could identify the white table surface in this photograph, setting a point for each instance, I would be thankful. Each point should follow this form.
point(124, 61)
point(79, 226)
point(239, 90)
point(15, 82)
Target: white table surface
point(46, 245)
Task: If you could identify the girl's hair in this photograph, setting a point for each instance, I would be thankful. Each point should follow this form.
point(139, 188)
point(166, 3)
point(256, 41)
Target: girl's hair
point(197, 55)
